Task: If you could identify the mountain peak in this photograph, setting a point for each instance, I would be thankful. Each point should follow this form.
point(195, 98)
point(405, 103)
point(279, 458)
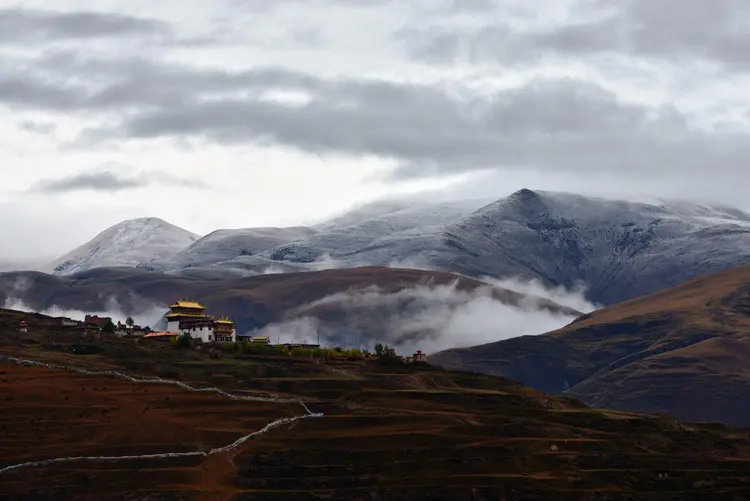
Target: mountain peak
point(525, 202)
point(127, 243)
point(525, 193)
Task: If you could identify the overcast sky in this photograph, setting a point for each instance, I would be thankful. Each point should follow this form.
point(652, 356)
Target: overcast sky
point(238, 113)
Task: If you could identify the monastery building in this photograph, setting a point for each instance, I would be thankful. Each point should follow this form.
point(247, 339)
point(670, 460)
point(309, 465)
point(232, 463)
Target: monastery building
point(189, 317)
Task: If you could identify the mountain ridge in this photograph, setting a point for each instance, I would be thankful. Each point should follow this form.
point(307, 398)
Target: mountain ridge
point(619, 249)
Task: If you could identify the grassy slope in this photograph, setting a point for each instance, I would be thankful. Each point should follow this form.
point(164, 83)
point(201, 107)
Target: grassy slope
point(683, 351)
point(389, 433)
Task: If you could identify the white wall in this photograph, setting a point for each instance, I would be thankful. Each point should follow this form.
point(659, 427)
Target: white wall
point(205, 334)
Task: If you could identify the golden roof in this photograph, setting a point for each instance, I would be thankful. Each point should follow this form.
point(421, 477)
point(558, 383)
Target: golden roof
point(191, 315)
point(188, 304)
point(224, 320)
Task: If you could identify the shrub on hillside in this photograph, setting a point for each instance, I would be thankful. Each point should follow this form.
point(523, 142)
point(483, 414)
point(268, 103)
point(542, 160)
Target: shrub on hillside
point(183, 341)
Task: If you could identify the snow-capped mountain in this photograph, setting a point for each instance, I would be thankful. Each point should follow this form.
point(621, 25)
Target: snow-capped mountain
point(252, 251)
point(125, 244)
point(616, 249)
point(362, 233)
point(224, 245)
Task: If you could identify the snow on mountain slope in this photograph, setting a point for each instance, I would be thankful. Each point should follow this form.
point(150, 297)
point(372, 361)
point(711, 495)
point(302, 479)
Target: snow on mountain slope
point(125, 244)
point(617, 249)
point(236, 253)
point(364, 212)
point(223, 245)
point(348, 240)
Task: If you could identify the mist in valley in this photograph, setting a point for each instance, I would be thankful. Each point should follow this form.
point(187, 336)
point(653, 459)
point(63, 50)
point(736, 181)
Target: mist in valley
point(426, 317)
point(143, 311)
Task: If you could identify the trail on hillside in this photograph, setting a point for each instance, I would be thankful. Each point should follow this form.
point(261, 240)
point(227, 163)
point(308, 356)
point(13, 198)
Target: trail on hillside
point(155, 380)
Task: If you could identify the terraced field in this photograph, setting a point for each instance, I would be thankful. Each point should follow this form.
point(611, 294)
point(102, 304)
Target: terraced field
point(387, 433)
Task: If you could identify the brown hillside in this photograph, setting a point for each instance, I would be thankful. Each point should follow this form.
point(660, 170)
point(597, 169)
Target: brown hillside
point(387, 433)
point(683, 351)
point(252, 302)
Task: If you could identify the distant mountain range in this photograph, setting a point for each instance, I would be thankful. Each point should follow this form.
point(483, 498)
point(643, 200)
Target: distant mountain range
point(617, 249)
point(682, 351)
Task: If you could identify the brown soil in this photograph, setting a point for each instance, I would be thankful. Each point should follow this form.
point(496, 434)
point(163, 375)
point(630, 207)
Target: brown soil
point(388, 433)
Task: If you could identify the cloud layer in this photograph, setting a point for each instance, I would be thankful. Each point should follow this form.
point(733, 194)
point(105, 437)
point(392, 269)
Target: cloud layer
point(430, 318)
point(20, 26)
point(150, 316)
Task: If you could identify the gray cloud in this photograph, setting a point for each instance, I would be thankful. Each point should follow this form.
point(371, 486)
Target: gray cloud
point(27, 91)
point(95, 181)
point(560, 125)
point(24, 26)
point(37, 127)
point(109, 182)
point(565, 126)
point(673, 31)
point(54, 82)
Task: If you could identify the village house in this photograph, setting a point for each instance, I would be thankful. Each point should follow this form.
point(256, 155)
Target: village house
point(160, 336)
point(24, 327)
point(419, 357)
point(68, 322)
point(123, 329)
point(137, 331)
point(95, 322)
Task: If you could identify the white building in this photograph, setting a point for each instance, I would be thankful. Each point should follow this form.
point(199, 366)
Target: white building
point(209, 330)
point(202, 329)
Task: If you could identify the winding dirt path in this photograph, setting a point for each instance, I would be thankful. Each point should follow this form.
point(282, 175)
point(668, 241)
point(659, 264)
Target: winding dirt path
point(222, 459)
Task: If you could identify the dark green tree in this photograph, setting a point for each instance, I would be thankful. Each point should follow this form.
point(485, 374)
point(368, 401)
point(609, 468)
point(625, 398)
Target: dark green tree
point(129, 322)
point(184, 341)
point(109, 327)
